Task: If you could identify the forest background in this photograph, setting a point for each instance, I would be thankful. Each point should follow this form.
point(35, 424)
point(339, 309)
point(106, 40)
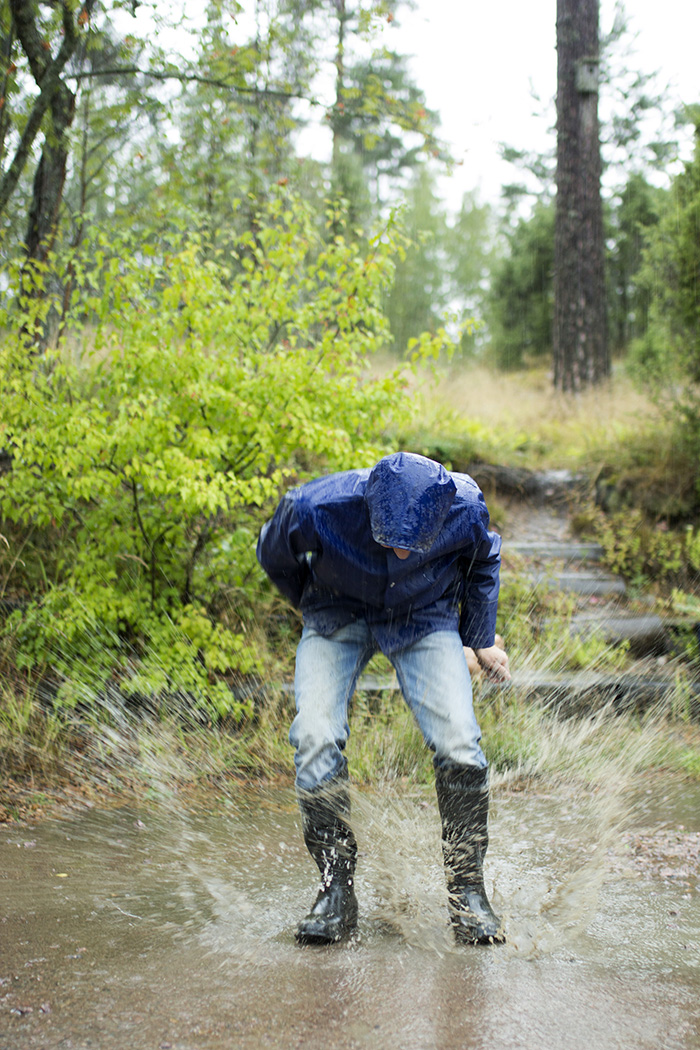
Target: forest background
point(196, 314)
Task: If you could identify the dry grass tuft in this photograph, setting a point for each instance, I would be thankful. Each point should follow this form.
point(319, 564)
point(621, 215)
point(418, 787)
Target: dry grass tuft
point(552, 429)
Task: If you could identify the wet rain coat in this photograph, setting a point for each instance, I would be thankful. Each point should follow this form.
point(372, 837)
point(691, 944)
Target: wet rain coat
point(325, 549)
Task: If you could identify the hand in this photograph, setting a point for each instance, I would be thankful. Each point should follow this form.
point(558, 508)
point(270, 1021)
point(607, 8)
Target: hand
point(494, 661)
point(472, 662)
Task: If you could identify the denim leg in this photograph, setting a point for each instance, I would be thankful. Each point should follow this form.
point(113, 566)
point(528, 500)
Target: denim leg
point(327, 670)
point(436, 685)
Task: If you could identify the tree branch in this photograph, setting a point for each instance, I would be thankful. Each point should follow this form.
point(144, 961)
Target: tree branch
point(187, 78)
point(24, 18)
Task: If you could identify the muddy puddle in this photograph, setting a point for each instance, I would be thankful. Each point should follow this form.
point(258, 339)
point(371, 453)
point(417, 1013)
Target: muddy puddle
point(171, 928)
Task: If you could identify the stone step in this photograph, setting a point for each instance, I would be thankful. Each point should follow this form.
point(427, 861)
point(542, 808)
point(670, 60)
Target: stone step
point(582, 693)
point(566, 552)
point(588, 584)
point(648, 635)
point(577, 693)
point(536, 486)
point(594, 584)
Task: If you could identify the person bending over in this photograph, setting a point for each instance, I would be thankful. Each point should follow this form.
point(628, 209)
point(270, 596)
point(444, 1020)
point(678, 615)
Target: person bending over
point(397, 558)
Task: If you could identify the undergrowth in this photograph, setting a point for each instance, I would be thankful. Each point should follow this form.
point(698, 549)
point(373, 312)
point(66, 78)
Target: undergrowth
point(472, 415)
point(57, 756)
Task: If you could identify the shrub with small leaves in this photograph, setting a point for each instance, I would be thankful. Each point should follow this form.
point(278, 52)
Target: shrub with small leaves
point(147, 442)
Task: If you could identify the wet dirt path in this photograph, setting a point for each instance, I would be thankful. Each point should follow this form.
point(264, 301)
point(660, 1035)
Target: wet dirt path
point(172, 929)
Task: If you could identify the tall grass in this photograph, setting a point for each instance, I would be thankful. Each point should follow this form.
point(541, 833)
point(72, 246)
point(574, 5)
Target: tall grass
point(128, 755)
point(614, 433)
point(518, 417)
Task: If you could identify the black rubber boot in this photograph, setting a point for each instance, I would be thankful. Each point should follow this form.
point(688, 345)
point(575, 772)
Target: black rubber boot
point(331, 842)
point(463, 799)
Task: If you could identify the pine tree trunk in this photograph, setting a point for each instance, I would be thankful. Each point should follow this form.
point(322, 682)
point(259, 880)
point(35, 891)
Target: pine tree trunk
point(581, 353)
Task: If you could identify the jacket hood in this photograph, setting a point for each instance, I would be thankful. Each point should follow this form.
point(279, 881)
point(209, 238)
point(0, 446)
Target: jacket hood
point(408, 498)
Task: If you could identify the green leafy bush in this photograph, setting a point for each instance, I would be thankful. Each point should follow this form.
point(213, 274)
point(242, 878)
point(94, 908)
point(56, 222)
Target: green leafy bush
point(180, 398)
point(643, 552)
point(667, 358)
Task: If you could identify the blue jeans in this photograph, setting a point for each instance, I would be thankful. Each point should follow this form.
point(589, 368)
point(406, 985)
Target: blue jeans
point(434, 680)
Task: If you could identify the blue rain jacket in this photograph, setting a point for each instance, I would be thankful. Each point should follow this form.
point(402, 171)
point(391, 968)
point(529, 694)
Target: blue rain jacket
point(325, 549)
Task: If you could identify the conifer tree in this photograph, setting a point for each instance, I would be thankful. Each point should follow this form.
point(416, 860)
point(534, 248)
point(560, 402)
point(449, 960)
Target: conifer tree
point(581, 353)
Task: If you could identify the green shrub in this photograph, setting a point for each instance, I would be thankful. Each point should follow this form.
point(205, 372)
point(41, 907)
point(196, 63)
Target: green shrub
point(643, 552)
point(147, 442)
point(667, 358)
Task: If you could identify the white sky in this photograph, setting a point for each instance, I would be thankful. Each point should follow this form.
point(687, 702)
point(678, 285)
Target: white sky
point(477, 61)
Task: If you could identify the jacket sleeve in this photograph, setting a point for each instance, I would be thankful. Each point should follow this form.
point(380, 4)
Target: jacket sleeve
point(282, 549)
point(480, 585)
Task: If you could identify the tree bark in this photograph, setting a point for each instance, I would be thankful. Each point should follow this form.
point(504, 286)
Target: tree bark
point(581, 353)
point(7, 43)
point(337, 112)
point(55, 97)
point(50, 177)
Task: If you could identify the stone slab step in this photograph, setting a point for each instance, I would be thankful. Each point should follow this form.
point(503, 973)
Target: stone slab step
point(566, 552)
point(575, 693)
point(596, 584)
point(648, 635)
point(537, 486)
point(587, 584)
point(585, 692)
